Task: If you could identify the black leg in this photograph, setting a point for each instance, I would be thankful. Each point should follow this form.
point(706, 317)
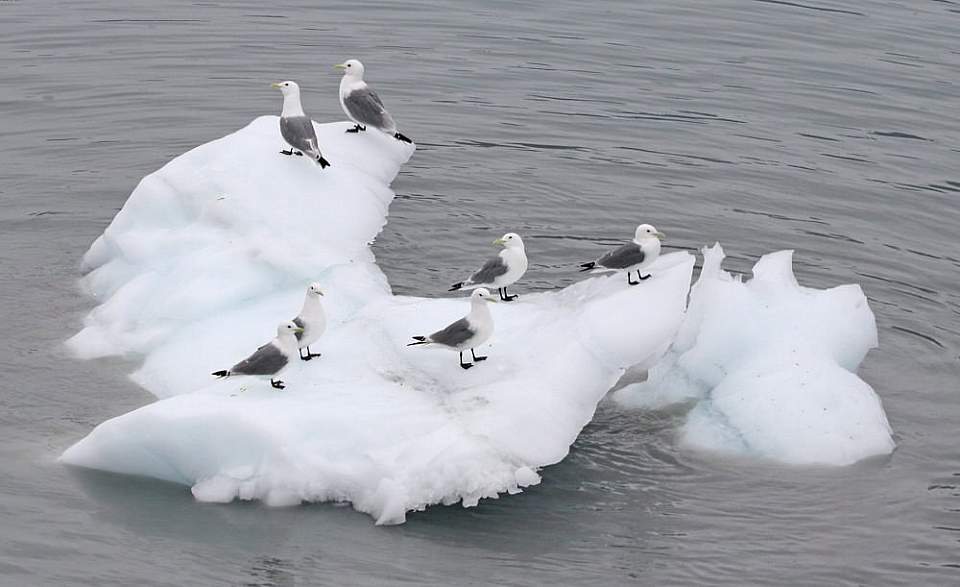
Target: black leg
point(500, 291)
point(298, 153)
point(311, 355)
point(642, 277)
point(288, 152)
point(462, 364)
point(277, 384)
point(507, 298)
point(357, 128)
point(630, 280)
point(475, 357)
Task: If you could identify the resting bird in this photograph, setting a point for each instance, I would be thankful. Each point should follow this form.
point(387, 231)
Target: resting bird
point(637, 254)
point(468, 332)
point(362, 104)
point(500, 271)
point(311, 320)
point(271, 359)
point(296, 128)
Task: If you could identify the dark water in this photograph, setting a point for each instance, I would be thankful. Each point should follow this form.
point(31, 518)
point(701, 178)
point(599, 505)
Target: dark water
point(825, 126)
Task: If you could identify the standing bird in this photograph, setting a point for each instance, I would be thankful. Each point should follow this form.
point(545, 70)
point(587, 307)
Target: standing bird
point(500, 271)
point(271, 359)
point(468, 332)
point(362, 104)
point(637, 254)
point(296, 128)
point(312, 321)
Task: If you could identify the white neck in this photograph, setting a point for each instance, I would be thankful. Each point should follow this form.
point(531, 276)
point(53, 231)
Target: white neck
point(479, 310)
point(311, 303)
point(291, 105)
point(288, 343)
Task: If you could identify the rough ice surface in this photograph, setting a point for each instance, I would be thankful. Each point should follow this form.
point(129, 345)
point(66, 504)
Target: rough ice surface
point(770, 367)
point(215, 248)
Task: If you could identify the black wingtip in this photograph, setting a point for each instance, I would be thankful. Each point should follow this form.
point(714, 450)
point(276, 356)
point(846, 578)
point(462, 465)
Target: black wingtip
point(401, 137)
point(455, 286)
point(588, 266)
point(418, 340)
point(221, 374)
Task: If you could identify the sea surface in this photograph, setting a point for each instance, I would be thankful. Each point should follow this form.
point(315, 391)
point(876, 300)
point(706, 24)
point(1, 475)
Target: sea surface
point(828, 127)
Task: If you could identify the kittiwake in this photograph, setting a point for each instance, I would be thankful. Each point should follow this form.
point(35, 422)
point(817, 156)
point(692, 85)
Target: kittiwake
point(637, 254)
point(271, 359)
point(362, 104)
point(296, 128)
point(468, 332)
point(311, 320)
point(500, 271)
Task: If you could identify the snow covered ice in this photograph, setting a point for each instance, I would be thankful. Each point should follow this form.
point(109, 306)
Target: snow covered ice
point(213, 249)
point(770, 367)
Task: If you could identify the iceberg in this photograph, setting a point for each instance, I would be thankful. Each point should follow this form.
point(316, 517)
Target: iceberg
point(212, 250)
point(769, 368)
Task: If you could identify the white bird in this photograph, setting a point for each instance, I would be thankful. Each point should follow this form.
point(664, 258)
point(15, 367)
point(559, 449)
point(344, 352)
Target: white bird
point(500, 271)
point(312, 320)
point(271, 359)
point(296, 128)
point(468, 332)
point(637, 254)
point(362, 104)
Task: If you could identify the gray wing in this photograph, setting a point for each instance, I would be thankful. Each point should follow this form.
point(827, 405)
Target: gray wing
point(266, 361)
point(299, 134)
point(365, 107)
point(491, 270)
point(457, 333)
point(622, 257)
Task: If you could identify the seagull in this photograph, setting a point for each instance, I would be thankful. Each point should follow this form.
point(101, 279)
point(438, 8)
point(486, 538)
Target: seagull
point(311, 321)
point(362, 104)
point(468, 332)
point(637, 254)
point(296, 128)
point(270, 359)
point(500, 271)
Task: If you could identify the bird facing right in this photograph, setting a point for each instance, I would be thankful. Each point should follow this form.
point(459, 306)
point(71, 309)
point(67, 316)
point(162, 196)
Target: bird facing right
point(635, 255)
point(271, 359)
point(468, 332)
point(500, 271)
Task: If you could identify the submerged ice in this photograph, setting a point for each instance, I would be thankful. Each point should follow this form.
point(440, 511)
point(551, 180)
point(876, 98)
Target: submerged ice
point(770, 368)
point(211, 250)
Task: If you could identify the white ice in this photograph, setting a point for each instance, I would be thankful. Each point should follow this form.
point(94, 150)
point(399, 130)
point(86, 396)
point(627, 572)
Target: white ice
point(212, 250)
point(770, 368)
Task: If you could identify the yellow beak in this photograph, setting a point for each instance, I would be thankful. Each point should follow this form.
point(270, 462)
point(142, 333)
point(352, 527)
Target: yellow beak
point(275, 85)
point(659, 235)
point(499, 241)
point(319, 292)
point(340, 66)
point(298, 330)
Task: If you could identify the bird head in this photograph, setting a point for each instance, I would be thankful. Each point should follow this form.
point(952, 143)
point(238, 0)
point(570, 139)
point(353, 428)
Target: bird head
point(482, 294)
point(287, 88)
point(511, 240)
point(315, 289)
point(351, 67)
point(646, 232)
point(288, 328)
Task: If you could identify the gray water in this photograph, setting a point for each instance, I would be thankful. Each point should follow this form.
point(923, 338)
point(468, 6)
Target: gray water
point(823, 126)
